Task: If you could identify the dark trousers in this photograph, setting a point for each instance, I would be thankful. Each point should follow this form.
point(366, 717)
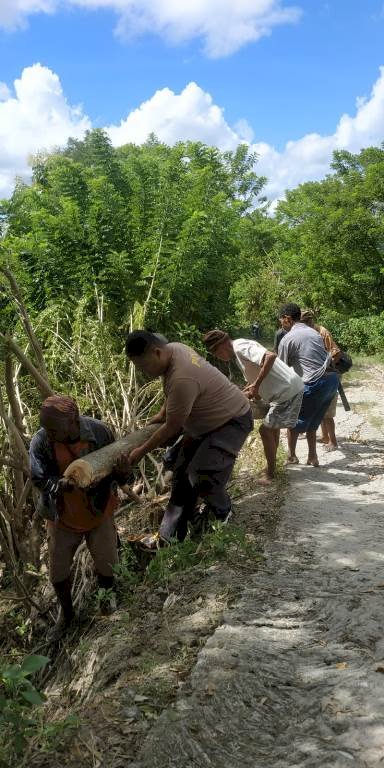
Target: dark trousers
point(203, 467)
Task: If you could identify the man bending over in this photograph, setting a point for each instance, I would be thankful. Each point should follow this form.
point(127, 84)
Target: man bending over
point(268, 378)
point(73, 514)
point(214, 416)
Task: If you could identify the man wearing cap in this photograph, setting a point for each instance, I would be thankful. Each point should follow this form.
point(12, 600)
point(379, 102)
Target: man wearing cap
point(303, 349)
point(72, 513)
point(214, 417)
point(268, 378)
point(328, 423)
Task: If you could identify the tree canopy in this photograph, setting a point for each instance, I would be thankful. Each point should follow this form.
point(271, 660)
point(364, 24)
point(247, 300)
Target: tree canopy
point(185, 233)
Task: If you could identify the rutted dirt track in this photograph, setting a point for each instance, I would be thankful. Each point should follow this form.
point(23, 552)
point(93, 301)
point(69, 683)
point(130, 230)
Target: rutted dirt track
point(294, 674)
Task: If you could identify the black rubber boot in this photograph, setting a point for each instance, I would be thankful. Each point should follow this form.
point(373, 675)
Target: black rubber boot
point(170, 521)
point(63, 592)
point(67, 614)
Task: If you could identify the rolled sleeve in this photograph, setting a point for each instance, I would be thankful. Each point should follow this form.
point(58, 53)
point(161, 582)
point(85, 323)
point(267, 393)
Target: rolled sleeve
point(250, 350)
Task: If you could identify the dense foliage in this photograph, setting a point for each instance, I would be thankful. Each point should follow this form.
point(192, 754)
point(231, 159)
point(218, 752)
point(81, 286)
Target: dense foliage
point(323, 248)
point(181, 238)
point(133, 221)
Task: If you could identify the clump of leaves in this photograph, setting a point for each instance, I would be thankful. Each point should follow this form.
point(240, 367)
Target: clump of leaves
point(18, 700)
point(125, 571)
point(221, 542)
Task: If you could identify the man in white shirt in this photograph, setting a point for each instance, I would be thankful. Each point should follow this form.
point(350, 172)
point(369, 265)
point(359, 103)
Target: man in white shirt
point(267, 378)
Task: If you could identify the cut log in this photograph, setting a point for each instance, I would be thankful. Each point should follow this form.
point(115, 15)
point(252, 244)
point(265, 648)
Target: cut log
point(93, 467)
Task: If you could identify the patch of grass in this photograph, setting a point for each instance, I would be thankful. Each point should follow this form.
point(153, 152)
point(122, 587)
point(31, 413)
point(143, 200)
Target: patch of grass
point(125, 571)
point(23, 725)
point(251, 458)
point(53, 736)
point(366, 408)
point(221, 542)
point(361, 367)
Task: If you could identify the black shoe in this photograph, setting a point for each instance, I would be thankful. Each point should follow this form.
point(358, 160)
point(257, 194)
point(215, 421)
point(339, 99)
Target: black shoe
point(223, 517)
point(170, 522)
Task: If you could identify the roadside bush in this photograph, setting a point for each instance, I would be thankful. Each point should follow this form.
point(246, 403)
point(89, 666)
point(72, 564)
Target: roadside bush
point(361, 334)
point(24, 725)
point(18, 699)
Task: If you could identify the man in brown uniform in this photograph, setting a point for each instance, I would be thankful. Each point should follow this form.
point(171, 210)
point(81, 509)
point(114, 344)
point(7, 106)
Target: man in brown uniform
point(214, 416)
point(73, 514)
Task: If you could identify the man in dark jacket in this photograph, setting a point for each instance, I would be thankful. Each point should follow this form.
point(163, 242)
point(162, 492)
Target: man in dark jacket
point(72, 513)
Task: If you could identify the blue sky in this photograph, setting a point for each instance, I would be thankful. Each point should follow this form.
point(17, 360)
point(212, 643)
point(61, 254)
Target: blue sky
point(298, 79)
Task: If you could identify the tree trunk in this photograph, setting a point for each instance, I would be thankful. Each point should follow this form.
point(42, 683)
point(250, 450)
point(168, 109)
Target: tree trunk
point(92, 468)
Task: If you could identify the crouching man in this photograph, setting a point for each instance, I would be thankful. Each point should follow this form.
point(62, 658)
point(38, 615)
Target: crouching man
point(214, 416)
point(72, 513)
point(268, 378)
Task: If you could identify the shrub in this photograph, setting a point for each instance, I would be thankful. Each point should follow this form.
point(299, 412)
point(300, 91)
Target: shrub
point(361, 334)
point(18, 698)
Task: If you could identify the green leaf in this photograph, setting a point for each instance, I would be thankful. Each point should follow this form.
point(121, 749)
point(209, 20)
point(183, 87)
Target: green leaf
point(19, 743)
point(33, 697)
point(32, 664)
point(12, 673)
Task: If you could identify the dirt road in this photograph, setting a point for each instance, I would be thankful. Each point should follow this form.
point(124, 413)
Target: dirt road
point(294, 674)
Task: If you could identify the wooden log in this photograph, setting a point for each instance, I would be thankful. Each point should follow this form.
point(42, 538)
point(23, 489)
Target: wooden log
point(93, 467)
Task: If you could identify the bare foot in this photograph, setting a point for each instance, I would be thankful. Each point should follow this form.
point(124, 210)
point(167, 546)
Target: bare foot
point(292, 460)
point(331, 447)
point(313, 461)
point(264, 479)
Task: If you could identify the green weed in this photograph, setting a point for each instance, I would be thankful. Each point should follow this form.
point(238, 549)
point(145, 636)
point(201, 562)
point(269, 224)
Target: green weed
point(18, 700)
point(220, 542)
point(125, 570)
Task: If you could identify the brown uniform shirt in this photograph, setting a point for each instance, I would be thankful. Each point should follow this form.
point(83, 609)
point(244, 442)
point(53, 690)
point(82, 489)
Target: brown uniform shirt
point(199, 394)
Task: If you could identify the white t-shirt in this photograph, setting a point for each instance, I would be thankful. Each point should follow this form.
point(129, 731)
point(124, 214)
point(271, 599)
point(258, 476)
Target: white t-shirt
point(279, 385)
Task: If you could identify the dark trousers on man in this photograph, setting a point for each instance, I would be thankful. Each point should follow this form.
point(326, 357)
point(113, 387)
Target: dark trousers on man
point(202, 469)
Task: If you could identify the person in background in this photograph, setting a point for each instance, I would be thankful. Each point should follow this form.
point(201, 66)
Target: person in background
point(328, 429)
point(280, 333)
point(267, 378)
point(214, 416)
point(255, 330)
point(302, 348)
point(73, 514)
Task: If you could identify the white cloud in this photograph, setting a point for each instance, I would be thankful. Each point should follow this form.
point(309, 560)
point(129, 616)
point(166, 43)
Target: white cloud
point(37, 117)
point(188, 115)
point(4, 92)
point(309, 157)
point(14, 13)
point(224, 25)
